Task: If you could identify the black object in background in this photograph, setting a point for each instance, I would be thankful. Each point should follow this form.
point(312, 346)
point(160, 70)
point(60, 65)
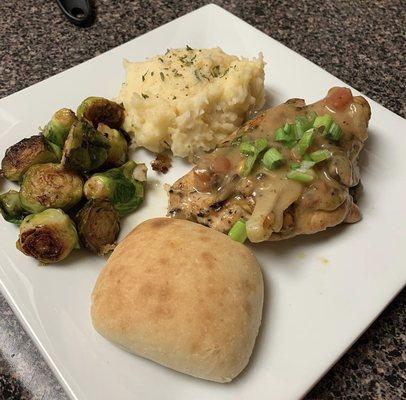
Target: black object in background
point(79, 12)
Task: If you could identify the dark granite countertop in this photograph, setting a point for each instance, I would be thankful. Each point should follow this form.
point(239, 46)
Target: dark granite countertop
point(361, 42)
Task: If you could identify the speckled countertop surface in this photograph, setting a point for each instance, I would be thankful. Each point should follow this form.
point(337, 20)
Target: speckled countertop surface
point(361, 42)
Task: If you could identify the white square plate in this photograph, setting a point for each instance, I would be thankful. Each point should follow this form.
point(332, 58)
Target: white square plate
point(322, 291)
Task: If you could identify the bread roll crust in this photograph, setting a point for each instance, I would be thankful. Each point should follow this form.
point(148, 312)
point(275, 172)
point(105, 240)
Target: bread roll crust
point(182, 295)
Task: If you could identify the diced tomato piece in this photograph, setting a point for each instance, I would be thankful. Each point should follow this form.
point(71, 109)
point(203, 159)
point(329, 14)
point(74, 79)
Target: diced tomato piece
point(338, 98)
point(220, 165)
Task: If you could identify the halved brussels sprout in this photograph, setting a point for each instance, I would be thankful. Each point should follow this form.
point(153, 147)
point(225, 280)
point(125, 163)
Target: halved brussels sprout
point(85, 149)
point(118, 151)
point(11, 208)
point(100, 110)
point(27, 152)
point(57, 129)
point(98, 226)
point(119, 186)
point(50, 186)
point(48, 236)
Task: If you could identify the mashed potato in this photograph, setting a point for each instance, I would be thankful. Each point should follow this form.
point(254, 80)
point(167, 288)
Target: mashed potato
point(189, 99)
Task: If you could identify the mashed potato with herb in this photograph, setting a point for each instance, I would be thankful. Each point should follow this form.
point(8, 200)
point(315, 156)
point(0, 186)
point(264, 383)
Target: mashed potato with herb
point(189, 99)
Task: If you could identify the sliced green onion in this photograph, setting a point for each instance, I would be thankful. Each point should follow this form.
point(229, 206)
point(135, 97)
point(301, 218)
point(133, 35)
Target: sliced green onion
point(284, 134)
point(238, 231)
point(320, 155)
point(281, 135)
point(252, 150)
point(306, 157)
point(323, 120)
point(306, 141)
point(247, 148)
point(334, 132)
point(294, 165)
point(300, 176)
point(306, 165)
point(287, 128)
point(261, 144)
point(311, 118)
point(272, 159)
point(299, 128)
point(290, 144)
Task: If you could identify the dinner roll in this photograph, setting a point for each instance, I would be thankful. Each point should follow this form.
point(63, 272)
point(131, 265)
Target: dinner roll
point(182, 295)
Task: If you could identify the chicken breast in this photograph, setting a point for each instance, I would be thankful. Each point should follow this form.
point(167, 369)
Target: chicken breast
point(274, 203)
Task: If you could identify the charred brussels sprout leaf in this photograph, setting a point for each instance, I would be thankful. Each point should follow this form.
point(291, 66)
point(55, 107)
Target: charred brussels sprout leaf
point(98, 226)
point(120, 186)
point(50, 186)
point(118, 151)
point(85, 149)
point(57, 129)
point(10, 207)
point(48, 236)
point(100, 110)
point(27, 152)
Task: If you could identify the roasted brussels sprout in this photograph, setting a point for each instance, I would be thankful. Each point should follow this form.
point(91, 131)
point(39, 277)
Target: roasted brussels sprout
point(57, 129)
point(99, 109)
point(48, 236)
point(118, 151)
point(85, 149)
point(119, 186)
point(98, 226)
point(10, 207)
point(50, 186)
point(27, 152)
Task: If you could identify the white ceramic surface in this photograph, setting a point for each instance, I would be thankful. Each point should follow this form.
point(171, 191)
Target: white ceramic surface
point(322, 291)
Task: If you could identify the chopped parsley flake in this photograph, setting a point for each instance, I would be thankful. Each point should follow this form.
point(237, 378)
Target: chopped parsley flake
point(162, 76)
point(145, 96)
point(188, 48)
point(143, 76)
point(160, 59)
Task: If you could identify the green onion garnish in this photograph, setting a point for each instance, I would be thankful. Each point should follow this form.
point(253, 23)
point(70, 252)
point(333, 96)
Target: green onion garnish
point(306, 141)
point(294, 165)
point(247, 148)
point(334, 132)
point(252, 150)
point(306, 157)
point(238, 232)
point(320, 155)
point(311, 118)
point(290, 144)
point(300, 176)
point(323, 120)
point(281, 136)
point(298, 128)
point(306, 165)
point(272, 159)
point(261, 144)
point(284, 134)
